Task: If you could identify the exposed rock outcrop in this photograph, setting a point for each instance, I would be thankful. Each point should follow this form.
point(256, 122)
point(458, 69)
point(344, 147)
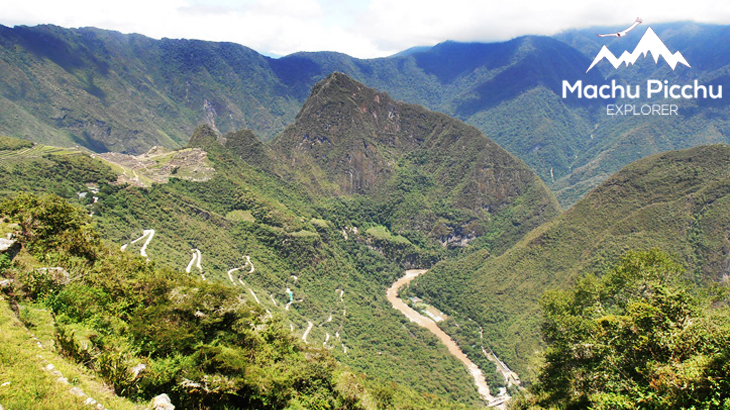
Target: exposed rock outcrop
point(9, 247)
point(162, 402)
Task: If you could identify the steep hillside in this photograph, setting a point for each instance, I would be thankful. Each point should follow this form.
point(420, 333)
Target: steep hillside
point(429, 173)
point(126, 93)
point(676, 201)
point(143, 332)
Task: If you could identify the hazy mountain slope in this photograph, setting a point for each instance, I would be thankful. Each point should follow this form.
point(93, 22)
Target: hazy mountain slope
point(677, 201)
point(697, 42)
point(619, 140)
point(126, 93)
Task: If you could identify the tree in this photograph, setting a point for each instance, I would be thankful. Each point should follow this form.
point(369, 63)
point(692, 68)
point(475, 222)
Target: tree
point(49, 221)
point(636, 338)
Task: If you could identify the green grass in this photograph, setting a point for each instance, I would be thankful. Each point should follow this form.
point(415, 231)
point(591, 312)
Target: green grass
point(23, 365)
point(35, 151)
point(304, 234)
point(381, 232)
point(238, 215)
point(320, 223)
point(13, 144)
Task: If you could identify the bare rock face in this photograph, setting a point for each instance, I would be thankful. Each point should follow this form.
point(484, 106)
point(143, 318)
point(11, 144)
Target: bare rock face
point(162, 402)
point(9, 247)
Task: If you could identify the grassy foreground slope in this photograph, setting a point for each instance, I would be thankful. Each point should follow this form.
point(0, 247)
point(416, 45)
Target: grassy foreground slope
point(678, 201)
point(34, 374)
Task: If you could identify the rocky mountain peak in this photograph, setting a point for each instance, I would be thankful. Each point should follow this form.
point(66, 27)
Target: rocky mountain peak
point(339, 103)
point(352, 139)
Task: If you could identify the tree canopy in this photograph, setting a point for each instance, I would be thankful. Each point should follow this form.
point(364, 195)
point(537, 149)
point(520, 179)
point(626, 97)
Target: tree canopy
point(635, 338)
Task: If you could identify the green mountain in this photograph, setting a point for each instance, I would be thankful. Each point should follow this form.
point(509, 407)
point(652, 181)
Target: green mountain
point(676, 201)
point(126, 93)
point(426, 172)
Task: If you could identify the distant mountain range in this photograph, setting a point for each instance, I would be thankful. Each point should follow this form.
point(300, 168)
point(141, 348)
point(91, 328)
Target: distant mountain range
point(126, 93)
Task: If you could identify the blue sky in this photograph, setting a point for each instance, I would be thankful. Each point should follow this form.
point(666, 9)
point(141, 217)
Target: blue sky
point(361, 28)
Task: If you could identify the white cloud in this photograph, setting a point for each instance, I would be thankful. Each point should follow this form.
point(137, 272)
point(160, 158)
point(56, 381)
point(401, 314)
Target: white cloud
point(398, 25)
point(362, 28)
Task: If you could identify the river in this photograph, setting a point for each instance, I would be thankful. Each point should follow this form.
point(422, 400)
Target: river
point(423, 321)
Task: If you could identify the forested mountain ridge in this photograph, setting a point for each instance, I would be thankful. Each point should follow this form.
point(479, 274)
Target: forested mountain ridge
point(676, 201)
point(319, 253)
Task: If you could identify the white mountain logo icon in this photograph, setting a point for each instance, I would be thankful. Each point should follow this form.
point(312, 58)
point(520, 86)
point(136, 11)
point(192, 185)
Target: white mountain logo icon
point(649, 43)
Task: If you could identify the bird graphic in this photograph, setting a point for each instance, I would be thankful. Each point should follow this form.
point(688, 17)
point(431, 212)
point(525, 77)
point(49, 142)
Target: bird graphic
point(623, 33)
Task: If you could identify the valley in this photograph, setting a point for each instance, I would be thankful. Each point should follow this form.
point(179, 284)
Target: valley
point(262, 233)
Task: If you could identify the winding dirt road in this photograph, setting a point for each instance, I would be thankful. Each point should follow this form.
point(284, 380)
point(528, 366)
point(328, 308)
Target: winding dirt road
point(197, 258)
point(413, 316)
point(306, 332)
point(149, 234)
